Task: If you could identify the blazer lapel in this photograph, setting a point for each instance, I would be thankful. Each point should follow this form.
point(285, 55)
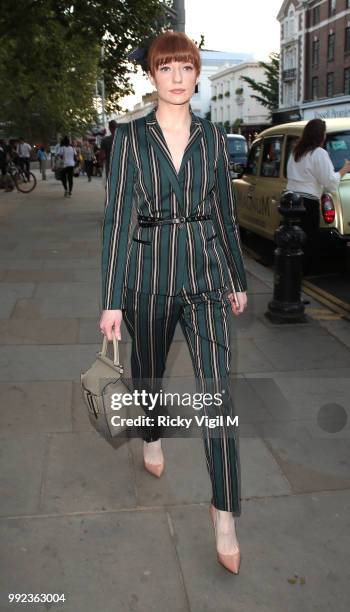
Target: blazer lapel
point(156, 138)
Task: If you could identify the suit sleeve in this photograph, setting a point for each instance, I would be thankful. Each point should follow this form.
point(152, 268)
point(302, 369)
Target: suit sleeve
point(116, 223)
point(226, 217)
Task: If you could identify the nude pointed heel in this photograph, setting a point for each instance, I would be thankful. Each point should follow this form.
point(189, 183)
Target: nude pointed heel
point(230, 562)
point(156, 469)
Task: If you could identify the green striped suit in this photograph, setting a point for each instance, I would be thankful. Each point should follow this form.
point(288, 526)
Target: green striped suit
point(175, 273)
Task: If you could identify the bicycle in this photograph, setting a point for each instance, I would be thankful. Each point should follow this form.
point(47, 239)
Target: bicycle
point(23, 181)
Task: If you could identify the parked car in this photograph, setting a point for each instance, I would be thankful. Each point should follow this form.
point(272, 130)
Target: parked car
point(238, 150)
point(261, 181)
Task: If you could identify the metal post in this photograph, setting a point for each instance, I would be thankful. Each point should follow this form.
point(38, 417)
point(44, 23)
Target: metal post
point(286, 305)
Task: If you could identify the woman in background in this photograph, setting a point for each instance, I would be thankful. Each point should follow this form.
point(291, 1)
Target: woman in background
point(310, 172)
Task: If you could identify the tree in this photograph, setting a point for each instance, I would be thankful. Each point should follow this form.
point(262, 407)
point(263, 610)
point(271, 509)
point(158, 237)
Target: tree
point(268, 91)
point(50, 59)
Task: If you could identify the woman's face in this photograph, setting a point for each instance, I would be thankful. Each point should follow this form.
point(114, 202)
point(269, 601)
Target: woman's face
point(175, 82)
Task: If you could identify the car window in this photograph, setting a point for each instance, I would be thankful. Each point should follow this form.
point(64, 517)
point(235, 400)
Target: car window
point(338, 148)
point(237, 146)
point(271, 158)
point(291, 141)
point(253, 158)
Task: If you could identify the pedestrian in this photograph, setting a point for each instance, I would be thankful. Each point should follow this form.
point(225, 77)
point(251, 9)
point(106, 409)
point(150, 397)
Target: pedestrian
point(68, 154)
point(106, 146)
point(310, 172)
point(43, 157)
point(3, 160)
point(24, 150)
point(88, 154)
point(184, 262)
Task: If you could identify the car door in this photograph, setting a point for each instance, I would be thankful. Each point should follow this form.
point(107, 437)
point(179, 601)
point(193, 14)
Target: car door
point(245, 188)
point(269, 186)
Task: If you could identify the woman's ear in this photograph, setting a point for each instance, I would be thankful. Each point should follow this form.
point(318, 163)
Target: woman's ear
point(151, 78)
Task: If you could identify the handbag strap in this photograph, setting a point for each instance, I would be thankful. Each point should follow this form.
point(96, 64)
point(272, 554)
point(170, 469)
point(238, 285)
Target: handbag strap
point(115, 348)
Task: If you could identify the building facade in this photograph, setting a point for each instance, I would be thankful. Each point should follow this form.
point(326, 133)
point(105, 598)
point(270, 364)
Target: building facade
point(315, 60)
point(292, 23)
point(231, 101)
point(327, 59)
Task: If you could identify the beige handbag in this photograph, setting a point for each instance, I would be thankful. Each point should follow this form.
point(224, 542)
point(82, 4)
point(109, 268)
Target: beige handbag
point(99, 384)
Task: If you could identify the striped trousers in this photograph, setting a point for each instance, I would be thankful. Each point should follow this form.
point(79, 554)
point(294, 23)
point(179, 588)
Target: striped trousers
point(204, 319)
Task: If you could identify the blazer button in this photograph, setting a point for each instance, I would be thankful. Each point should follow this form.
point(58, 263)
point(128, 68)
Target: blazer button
point(182, 222)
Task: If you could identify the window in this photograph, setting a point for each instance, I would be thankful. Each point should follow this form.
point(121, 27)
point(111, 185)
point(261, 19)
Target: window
point(316, 15)
point(330, 84)
point(347, 3)
point(338, 148)
point(332, 7)
point(271, 160)
point(314, 88)
point(315, 52)
point(291, 141)
point(347, 81)
point(331, 41)
point(291, 20)
point(253, 158)
point(347, 40)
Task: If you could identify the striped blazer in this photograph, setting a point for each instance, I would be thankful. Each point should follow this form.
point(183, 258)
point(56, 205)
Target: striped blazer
point(156, 260)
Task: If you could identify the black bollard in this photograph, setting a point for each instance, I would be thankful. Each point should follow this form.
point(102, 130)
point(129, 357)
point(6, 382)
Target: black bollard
point(286, 305)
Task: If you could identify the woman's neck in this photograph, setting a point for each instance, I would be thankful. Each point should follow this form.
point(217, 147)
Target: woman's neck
point(173, 116)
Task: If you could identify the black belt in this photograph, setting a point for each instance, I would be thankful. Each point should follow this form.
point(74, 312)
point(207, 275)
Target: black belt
point(152, 221)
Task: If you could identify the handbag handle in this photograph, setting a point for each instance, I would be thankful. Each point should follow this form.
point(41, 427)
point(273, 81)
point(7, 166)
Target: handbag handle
point(115, 348)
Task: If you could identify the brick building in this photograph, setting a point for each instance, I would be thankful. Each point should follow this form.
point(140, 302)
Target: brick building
point(327, 59)
point(315, 59)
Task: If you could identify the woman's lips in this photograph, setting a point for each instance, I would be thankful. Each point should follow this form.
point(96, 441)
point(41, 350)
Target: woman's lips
point(177, 91)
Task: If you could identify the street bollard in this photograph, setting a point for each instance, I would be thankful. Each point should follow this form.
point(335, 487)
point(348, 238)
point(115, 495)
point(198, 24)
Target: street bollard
point(286, 305)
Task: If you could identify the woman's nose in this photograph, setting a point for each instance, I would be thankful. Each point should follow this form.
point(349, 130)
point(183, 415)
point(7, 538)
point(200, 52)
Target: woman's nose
point(177, 76)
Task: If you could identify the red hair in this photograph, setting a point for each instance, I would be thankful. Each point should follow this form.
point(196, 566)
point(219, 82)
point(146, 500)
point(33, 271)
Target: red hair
point(172, 46)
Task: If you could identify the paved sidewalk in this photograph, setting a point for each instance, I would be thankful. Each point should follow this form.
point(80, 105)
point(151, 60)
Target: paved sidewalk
point(81, 517)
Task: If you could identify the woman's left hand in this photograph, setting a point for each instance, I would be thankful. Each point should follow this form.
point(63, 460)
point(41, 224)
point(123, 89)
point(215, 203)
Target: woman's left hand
point(238, 301)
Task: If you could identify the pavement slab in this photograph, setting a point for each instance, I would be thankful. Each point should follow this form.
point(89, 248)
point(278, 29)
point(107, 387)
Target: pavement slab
point(285, 539)
point(85, 473)
point(38, 331)
point(35, 407)
point(88, 558)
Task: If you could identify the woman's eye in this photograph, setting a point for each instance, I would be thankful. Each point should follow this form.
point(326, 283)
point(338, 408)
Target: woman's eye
point(189, 67)
point(163, 68)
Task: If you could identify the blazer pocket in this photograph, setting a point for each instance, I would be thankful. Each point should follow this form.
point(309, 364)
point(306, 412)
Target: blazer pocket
point(142, 241)
point(211, 237)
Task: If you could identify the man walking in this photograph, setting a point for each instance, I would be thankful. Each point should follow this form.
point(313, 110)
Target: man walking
point(23, 151)
point(42, 157)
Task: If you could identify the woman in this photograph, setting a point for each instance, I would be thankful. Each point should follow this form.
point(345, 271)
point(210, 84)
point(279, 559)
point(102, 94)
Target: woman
point(185, 260)
point(310, 172)
point(68, 154)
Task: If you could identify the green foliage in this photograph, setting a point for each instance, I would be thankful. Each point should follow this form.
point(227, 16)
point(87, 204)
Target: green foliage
point(50, 59)
point(268, 91)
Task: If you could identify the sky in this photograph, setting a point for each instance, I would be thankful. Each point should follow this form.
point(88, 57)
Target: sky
point(247, 26)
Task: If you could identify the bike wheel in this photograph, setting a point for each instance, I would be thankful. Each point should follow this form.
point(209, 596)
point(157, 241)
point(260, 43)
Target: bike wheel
point(24, 183)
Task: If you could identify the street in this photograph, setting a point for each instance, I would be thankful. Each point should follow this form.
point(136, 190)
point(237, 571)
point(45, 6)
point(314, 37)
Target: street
point(82, 517)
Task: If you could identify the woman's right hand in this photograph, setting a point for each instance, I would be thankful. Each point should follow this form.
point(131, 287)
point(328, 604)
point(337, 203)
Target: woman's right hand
point(111, 319)
point(345, 169)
